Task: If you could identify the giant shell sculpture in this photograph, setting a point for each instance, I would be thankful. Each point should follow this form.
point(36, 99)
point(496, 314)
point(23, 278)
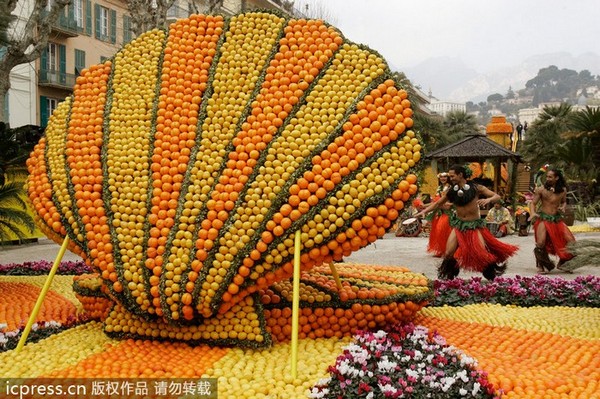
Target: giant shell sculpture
point(181, 168)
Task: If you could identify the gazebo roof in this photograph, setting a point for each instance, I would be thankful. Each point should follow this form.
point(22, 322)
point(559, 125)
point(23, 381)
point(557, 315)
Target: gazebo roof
point(474, 147)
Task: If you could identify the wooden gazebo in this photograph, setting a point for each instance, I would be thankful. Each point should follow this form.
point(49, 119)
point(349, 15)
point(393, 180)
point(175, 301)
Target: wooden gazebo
point(478, 148)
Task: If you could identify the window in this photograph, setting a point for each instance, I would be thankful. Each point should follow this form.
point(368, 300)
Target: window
point(47, 107)
point(52, 60)
point(103, 21)
point(106, 24)
point(78, 12)
point(52, 103)
point(53, 64)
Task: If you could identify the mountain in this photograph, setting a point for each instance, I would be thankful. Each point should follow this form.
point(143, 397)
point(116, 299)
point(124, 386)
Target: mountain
point(450, 79)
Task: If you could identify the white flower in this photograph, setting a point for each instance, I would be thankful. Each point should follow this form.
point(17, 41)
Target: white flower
point(476, 388)
point(463, 392)
point(324, 381)
point(380, 334)
point(411, 373)
point(318, 393)
point(370, 395)
point(385, 365)
point(387, 388)
point(467, 360)
point(462, 375)
point(447, 382)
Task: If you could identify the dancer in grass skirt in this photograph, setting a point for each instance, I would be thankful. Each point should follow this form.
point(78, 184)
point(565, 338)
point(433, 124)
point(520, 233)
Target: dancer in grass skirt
point(440, 220)
point(470, 245)
point(551, 234)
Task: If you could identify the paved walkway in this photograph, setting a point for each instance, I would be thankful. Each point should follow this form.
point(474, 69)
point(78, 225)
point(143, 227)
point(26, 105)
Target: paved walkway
point(390, 250)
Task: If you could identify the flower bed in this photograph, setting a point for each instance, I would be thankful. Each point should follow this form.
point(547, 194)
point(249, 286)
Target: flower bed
point(510, 344)
point(520, 291)
point(42, 267)
point(407, 362)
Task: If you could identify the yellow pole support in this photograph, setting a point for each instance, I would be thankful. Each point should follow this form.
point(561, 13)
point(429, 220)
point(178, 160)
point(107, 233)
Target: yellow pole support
point(296, 305)
point(42, 295)
point(336, 276)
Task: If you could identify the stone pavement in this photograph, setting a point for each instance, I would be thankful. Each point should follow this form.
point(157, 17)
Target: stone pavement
point(389, 250)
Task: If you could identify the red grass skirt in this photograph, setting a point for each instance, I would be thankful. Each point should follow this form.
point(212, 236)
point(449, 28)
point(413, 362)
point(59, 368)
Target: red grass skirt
point(558, 236)
point(438, 236)
point(474, 256)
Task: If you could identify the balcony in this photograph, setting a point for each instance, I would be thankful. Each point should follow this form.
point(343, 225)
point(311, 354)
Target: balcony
point(56, 79)
point(66, 26)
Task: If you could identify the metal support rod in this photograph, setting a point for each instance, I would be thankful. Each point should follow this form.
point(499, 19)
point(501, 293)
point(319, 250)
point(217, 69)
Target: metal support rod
point(42, 295)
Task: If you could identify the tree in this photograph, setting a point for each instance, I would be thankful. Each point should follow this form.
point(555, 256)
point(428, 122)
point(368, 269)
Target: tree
point(553, 84)
point(584, 126)
point(207, 7)
point(431, 129)
point(147, 15)
point(16, 146)
point(544, 135)
point(458, 124)
point(5, 20)
point(25, 44)
point(510, 94)
point(316, 10)
point(13, 219)
point(497, 97)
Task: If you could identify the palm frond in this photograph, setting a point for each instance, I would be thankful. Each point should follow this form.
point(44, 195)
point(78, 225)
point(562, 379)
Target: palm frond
point(10, 195)
point(587, 253)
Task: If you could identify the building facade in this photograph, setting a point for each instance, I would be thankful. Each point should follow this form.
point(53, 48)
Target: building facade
point(443, 108)
point(87, 33)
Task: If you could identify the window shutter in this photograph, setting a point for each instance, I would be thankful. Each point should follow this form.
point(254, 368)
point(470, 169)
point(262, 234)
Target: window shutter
point(79, 61)
point(62, 66)
point(44, 65)
point(113, 26)
point(71, 16)
point(88, 17)
point(43, 111)
point(126, 29)
point(97, 22)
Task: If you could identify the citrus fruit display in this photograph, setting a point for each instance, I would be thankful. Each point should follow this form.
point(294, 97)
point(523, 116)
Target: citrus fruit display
point(181, 169)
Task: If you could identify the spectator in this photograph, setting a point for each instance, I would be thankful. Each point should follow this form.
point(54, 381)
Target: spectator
point(520, 131)
point(501, 218)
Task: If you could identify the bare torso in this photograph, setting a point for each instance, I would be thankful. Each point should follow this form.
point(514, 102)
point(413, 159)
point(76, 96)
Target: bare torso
point(550, 202)
point(469, 212)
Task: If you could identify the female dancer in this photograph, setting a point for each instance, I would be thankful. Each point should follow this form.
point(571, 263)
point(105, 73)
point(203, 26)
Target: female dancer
point(440, 222)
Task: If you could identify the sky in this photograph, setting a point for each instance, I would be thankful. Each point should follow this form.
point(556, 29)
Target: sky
point(484, 34)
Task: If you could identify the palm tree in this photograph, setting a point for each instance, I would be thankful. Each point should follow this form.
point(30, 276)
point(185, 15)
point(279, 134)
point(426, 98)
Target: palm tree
point(432, 131)
point(544, 135)
point(459, 124)
point(583, 138)
point(13, 217)
point(586, 123)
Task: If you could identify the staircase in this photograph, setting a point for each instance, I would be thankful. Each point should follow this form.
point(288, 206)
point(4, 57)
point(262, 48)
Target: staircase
point(523, 179)
point(523, 176)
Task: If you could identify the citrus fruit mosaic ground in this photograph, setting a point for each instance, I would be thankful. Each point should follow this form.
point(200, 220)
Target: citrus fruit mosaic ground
point(527, 352)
